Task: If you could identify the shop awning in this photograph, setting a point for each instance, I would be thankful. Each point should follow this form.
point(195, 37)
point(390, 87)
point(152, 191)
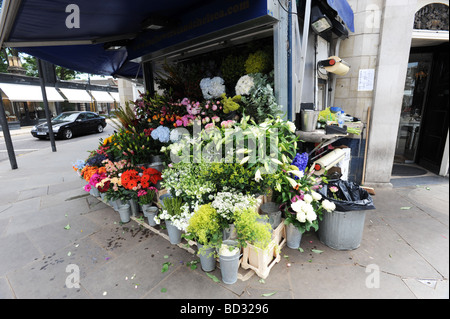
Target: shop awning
point(344, 11)
point(76, 96)
point(115, 96)
point(29, 93)
point(102, 96)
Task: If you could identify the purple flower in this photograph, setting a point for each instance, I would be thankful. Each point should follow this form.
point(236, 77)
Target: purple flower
point(301, 161)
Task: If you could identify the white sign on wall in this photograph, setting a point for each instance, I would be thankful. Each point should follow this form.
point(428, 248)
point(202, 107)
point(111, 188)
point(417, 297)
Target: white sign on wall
point(366, 79)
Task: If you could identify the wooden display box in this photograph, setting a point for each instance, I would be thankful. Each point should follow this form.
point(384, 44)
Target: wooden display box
point(260, 260)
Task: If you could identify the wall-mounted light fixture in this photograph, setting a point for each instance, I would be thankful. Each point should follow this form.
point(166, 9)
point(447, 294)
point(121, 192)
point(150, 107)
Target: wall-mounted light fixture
point(319, 21)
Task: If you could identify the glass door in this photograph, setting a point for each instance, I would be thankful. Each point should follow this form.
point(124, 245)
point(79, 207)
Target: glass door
point(414, 97)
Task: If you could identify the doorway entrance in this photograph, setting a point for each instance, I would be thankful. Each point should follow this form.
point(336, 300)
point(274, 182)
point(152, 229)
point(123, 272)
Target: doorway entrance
point(423, 126)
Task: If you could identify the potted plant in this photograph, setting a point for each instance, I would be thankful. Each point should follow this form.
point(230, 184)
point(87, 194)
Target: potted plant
point(204, 227)
point(172, 213)
point(145, 199)
point(229, 255)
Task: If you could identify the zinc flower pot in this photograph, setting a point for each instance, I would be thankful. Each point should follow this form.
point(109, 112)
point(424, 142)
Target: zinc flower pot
point(124, 212)
point(272, 210)
point(229, 262)
point(207, 258)
point(293, 236)
point(150, 212)
point(134, 207)
point(342, 230)
point(94, 192)
point(174, 233)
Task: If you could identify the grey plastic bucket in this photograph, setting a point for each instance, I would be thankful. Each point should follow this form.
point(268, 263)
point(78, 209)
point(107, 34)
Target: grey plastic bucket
point(207, 258)
point(272, 210)
point(293, 236)
point(150, 212)
point(174, 233)
point(342, 230)
point(124, 213)
point(229, 265)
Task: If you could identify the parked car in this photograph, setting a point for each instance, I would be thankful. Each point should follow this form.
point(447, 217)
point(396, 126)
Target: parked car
point(69, 124)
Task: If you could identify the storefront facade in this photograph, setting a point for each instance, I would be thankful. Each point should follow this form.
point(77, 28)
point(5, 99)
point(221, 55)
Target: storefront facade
point(402, 99)
point(22, 99)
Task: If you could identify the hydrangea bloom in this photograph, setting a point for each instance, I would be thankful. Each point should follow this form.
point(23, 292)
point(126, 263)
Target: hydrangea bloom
point(212, 88)
point(161, 133)
point(244, 85)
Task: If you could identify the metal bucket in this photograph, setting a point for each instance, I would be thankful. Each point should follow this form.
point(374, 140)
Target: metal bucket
point(308, 120)
point(342, 230)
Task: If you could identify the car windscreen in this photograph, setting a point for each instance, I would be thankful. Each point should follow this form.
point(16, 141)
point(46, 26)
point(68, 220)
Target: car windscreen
point(66, 117)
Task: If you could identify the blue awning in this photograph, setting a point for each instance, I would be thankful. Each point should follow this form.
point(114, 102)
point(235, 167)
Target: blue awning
point(344, 11)
point(40, 28)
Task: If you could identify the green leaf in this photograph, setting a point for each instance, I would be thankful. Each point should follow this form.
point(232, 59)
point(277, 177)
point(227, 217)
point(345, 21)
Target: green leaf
point(165, 267)
point(214, 278)
point(67, 226)
point(163, 289)
point(300, 249)
point(405, 207)
point(317, 251)
point(268, 294)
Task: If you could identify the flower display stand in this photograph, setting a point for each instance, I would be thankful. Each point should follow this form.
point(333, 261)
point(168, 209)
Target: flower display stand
point(260, 260)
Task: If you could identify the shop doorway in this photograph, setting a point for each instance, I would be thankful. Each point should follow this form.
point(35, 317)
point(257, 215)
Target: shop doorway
point(423, 126)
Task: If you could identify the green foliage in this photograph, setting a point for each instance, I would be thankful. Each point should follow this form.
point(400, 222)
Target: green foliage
point(233, 67)
point(250, 230)
point(230, 104)
point(261, 103)
point(258, 62)
point(204, 226)
point(172, 205)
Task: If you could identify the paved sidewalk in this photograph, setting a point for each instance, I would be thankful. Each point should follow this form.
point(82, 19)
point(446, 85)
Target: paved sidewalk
point(47, 223)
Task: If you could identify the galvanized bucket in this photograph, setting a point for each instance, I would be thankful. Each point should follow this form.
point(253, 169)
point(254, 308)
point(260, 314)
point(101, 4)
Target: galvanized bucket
point(342, 230)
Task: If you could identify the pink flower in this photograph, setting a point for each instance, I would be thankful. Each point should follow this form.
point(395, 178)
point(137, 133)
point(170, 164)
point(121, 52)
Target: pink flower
point(214, 107)
point(87, 187)
point(209, 126)
point(141, 193)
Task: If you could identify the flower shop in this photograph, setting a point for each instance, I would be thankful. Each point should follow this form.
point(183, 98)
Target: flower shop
point(210, 156)
point(209, 163)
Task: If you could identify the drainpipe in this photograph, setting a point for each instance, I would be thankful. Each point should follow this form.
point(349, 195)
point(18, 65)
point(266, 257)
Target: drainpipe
point(290, 104)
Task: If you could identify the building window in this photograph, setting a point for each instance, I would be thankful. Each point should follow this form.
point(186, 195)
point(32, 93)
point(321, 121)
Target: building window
point(433, 16)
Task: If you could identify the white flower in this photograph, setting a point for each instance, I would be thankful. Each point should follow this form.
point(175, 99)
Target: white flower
point(212, 88)
point(301, 217)
point(297, 206)
point(244, 85)
point(316, 196)
point(328, 206)
point(311, 216)
point(258, 176)
point(297, 173)
point(291, 126)
point(307, 198)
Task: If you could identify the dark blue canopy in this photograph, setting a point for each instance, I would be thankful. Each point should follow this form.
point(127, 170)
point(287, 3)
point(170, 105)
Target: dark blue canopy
point(40, 28)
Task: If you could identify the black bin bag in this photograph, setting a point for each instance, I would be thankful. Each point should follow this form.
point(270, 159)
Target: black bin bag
point(351, 196)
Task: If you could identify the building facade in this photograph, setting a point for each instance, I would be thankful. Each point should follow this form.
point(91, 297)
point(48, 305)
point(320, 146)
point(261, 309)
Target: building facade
point(405, 45)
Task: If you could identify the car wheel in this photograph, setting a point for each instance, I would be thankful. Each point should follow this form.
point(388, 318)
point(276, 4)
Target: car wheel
point(99, 128)
point(68, 134)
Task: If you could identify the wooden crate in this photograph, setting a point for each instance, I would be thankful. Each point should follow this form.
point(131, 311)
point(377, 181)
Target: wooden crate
point(260, 260)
